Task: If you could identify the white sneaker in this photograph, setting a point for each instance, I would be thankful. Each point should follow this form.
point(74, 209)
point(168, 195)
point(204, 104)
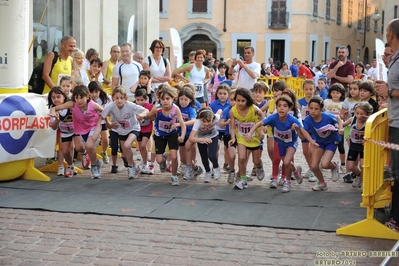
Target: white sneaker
point(151, 169)
point(273, 183)
point(260, 173)
point(137, 156)
point(335, 173)
point(175, 181)
point(105, 157)
point(69, 171)
point(342, 169)
point(319, 186)
point(298, 174)
point(208, 176)
point(144, 169)
point(96, 170)
point(357, 182)
point(281, 181)
point(216, 173)
point(60, 171)
point(286, 186)
point(312, 178)
point(130, 172)
point(241, 184)
point(187, 174)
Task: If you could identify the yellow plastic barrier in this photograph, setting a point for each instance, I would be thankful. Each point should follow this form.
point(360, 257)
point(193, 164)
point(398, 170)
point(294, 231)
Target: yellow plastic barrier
point(294, 84)
point(376, 192)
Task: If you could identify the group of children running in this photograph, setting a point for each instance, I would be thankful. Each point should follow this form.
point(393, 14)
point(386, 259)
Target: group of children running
point(242, 120)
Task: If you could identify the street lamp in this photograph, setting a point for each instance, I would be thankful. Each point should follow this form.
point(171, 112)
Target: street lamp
point(375, 17)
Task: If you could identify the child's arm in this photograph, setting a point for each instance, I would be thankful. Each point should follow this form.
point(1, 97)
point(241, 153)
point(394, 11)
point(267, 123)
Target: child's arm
point(208, 75)
point(98, 107)
point(340, 127)
point(182, 125)
point(179, 71)
point(232, 129)
point(261, 116)
point(134, 87)
point(54, 121)
point(98, 127)
point(303, 134)
point(248, 136)
point(67, 105)
point(192, 138)
point(149, 86)
point(347, 122)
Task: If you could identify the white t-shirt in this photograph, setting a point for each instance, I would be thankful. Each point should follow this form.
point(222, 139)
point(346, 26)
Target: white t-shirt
point(197, 78)
point(372, 73)
point(125, 117)
point(206, 132)
point(243, 78)
point(129, 74)
point(156, 70)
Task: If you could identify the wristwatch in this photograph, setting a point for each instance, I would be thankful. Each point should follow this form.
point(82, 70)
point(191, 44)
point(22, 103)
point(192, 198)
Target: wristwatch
point(390, 93)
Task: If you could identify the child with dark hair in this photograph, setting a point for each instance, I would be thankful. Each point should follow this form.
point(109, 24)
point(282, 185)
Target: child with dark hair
point(367, 91)
point(144, 82)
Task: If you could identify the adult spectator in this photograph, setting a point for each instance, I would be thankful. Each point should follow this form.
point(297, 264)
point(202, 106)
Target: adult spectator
point(312, 67)
point(158, 65)
point(294, 68)
point(127, 71)
point(108, 66)
point(274, 71)
point(248, 71)
point(284, 71)
point(269, 62)
point(341, 70)
point(79, 74)
point(208, 59)
point(62, 67)
point(387, 54)
point(392, 91)
point(372, 73)
point(263, 69)
point(304, 71)
point(90, 55)
point(366, 71)
point(317, 74)
point(359, 72)
point(139, 57)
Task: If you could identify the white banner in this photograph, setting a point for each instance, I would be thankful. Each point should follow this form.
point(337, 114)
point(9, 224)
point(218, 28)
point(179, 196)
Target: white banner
point(24, 127)
point(381, 68)
point(130, 31)
point(176, 54)
point(14, 44)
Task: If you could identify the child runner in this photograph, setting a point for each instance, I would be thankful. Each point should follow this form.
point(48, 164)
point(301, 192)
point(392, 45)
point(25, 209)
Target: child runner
point(231, 151)
point(322, 87)
point(323, 127)
point(333, 105)
point(85, 115)
point(126, 124)
point(204, 133)
point(284, 126)
point(357, 123)
point(141, 97)
point(244, 115)
point(63, 122)
point(66, 85)
point(367, 91)
point(186, 103)
point(216, 80)
point(144, 82)
point(166, 113)
point(309, 91)
point(98, 95)
point(221, 102)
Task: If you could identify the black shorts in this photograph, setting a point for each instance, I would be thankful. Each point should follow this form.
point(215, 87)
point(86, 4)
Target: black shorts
point(142, 135)
point(200, 99)
point(184, 142)
point(226, 139)
point(124, 137)
point(221, 135)
point(68, 139)
point(162, 141)
point(253, 148)
point(352, 155)
point(104, 127)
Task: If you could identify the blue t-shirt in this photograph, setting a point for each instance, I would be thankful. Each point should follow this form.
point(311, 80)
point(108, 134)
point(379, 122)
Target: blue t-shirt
point(303, 107)
point(324, 131)
point(163, 123)
point(228, 82)
point(323, 94)
point(216, 106)
point(282, 132)
point(226, 116)
point(197, 104)
point(188, 113)
point(260, 105)
point(294, 71)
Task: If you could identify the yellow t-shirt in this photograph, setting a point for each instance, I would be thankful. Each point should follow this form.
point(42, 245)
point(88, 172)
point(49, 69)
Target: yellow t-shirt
point(108, 75)
point(244, 125)
point(272, 106)
point(60, 69)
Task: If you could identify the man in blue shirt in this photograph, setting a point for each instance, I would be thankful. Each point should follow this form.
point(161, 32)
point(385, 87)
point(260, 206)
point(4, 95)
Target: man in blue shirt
point(294, 68)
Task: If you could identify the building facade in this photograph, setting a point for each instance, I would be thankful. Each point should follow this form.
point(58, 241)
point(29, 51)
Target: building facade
point(282, 29)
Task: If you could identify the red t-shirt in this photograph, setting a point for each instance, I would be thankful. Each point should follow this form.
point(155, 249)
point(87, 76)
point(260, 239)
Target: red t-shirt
point(346, 70)
point(147, 124)
point(304, 70)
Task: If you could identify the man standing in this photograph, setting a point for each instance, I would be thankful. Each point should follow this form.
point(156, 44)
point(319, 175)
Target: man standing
point(208, 59)
point(108, 66)
point(127, 71)
point(372, 73)
point(387, 54)
point(392, 91)
point(248, 71)
point(341, 70)
point(304, 71)
point(63, 66)
point(294, 68)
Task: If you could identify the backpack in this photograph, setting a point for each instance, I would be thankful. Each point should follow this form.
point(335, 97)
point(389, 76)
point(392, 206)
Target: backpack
point(36, 81)
point(164, 61)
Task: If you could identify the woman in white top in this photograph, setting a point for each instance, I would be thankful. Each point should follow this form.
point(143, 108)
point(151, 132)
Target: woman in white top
point(157, 65)
point(199, 75)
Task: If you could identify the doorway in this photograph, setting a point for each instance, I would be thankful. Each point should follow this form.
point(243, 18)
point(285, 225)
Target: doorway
point(277, 52)
point(196, 42)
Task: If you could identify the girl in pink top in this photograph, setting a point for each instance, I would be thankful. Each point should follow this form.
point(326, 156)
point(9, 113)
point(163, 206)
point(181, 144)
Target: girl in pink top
point(85, 115)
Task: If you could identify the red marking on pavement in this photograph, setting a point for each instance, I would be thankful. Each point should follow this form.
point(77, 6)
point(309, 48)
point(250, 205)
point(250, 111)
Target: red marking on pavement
point(127, 210)
point(341, 225)
point(4, 191)
point(212, 188)
point(347, 202)
point(190, 203)
point(154, 193)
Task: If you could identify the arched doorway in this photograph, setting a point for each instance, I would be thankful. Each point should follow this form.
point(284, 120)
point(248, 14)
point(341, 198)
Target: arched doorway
point(196, 42)
point(366, 56)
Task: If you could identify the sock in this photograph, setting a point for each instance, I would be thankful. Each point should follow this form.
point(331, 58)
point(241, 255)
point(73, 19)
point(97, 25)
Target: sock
point(342, 164)
point(244, 177)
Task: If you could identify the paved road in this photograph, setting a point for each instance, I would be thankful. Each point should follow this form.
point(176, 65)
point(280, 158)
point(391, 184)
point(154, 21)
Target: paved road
point(34, 237)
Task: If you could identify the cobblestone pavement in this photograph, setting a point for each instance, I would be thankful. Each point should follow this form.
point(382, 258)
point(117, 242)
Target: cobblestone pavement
point(34, 237)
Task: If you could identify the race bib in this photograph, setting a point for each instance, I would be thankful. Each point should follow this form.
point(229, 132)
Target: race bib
point(124, 124)
point(285, 136)
point(66, 127)
point(165, 126)
point(357, 136)
point(244, 128)
point(305, 112)
point(199, 87)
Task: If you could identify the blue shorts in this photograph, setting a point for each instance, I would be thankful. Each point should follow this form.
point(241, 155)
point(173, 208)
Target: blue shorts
point(282, 150)
point(328, 146)
point(306, 141)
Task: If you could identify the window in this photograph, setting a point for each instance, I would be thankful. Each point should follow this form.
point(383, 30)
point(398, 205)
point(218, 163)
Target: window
point(200, 6)
point(339, 10)
point(360, 15)
point(163, 8)
point(350, 6)
point(160, 6)
point(278, 15)
point(241, 44)
point(382, 21)
point(368, 16)
point(315, 8)
point(328, 9)
point(395, 11)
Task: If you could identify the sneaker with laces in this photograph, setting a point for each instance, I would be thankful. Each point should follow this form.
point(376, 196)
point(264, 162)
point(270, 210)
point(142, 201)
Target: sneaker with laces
point(137, 156)
point(241, 184)
point(286, 186)
point(357, 182)
point(175, 181)
point(131, 172)
point(388, 175)
point(253, 172)
point(95, 171)
point(230, 178)
point(144, 169)
point(208, 176)
point(298, 174)
point(85, 160)
point(125, 163)
point(162, 166)
point(187, 174)
point(198, 171)
point(273, 183)
point(348, 177)
point(226, 167)
point(114, 169)
point(136, 171)
point(151, 169)
point(319, 186)
point(307, 174)
point(260, 173)
point(312, 178)
point(60, 171)
point(335, 173)
point(69, 171)
point(216, 173)
point(105, 157)
point(392, 224)
point(342, 169)
point(181, 170)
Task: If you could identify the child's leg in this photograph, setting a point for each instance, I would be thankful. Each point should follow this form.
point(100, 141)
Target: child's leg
point(242, 159)
point(114, 146)
point(127, 148)
point(174, 162)
point(270, 147)
point(287, 161)
point(65, 149)
point(203, 151)
point(104, 140)
point(91, 150)
point(276, 160)
point(342, 157)
point(212, 148)
point(143, 148)
point(315, 161)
